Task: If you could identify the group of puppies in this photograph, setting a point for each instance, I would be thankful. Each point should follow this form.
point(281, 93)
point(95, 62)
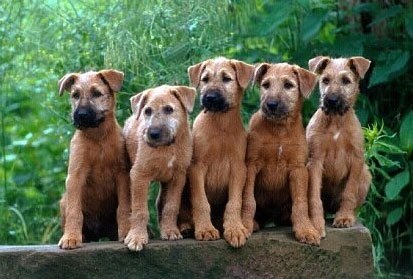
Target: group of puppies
point(216, 179)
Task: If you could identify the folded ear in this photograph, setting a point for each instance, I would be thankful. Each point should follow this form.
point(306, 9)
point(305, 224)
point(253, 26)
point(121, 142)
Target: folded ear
point(194, 73)
point(306, 80)
point(318, 64)
point(66, 82)
point(185, 95)
point(260, 71)
point(244, 72)
point(138, 101)
point(113, 78)
point(359, 65)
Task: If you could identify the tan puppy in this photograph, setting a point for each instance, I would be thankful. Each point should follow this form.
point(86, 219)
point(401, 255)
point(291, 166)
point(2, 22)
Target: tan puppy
point(336, 166)
point(277, 152)
point(97, 185)
point(159, 144)
point(217, 173)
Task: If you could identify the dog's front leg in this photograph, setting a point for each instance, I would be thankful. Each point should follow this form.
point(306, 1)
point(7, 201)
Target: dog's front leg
point(124, 206)
point(138, 234)
point(201, 210)
point(234, 231)
point(248, 199)
point(303, 229)
point(315, 210)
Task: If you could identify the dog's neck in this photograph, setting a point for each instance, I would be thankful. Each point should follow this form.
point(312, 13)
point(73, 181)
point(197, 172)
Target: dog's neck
point(105, 128)
point(336, 120)
point(284, 125)
point(229, 119)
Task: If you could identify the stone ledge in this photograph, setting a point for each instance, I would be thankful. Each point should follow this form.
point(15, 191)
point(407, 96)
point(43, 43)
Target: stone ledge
point(272, 253)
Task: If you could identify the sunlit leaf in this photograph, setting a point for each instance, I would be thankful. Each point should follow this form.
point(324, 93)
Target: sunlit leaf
point(394, 216)
point(406, 133)
point(396, 184)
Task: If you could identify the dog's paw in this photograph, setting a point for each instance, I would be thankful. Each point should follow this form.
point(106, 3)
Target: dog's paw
point(206, 234)
point(236, 236)
point(319, 225)
point(122, 232)
point(345, 221)
point(249, 225)
point(136, 240)
point(171, 234)
point(308, 236)
point(70, 241)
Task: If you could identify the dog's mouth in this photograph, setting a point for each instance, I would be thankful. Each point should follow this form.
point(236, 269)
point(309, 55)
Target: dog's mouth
point(334, 105)
point(84, 118)
point(156, 137)
point(214, 101)
point(275, 110)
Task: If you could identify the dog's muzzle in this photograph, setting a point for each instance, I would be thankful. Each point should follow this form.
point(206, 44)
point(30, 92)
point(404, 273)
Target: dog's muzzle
point(158, 136)
point(86, 117)
point(214, 101)
point(274, 109)
point(334, 104)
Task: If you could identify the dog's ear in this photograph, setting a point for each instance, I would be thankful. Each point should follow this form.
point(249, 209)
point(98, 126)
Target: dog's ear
point(306, 80)
point(318, 64)
point(194, 73)
point(112, 78)
point(359, 65)
point(185, 95)
point(66, 82)
point(138, 101)
point(244, 72)
point(260, 71)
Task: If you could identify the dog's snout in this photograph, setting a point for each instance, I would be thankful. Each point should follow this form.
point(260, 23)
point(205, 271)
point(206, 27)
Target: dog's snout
point(154, 133)
point(83, 113)
point(272, 105)
point(212, 96)
point(214, 100)
point(86, 117)
point(332, 100)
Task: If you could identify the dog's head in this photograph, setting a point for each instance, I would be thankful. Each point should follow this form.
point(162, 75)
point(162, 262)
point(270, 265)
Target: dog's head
point(221, 82)
point(339, 81)
point(91, 95)
point(283, 87)
point(162, 111)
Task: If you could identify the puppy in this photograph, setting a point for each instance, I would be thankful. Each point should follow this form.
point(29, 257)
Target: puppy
point(96, 203)
point(277, 152)
point(159, 145)
point(339, 178)
point(217, 173)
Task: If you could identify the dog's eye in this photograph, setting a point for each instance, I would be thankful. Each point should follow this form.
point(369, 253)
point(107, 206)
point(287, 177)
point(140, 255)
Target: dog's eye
point(266, 84)
point(288, 85)
point(76, 95)
point(325, 81)
point(345, 80)
point(226, 79)
point(148, 112)
point(168, 109)
point(205, 79)
point(96, 94)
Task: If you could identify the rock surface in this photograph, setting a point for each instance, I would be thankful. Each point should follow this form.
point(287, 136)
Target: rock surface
point(272, 253)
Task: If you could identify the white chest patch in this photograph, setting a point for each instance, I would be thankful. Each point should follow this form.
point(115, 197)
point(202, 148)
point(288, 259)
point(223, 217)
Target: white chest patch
point(280, 150)
point(336, 135)
point(171, 162)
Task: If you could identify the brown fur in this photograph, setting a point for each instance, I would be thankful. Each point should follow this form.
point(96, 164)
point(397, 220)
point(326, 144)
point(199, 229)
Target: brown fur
point(277, 152)
point(96, 202)
point(165, 159)
point(337, 171)
point(217, 173)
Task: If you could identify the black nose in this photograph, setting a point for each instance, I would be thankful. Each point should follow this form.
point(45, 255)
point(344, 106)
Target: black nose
point(211, 97)
point(332, 100)
point(272, 105)
point(83, 114)
point(154, 133)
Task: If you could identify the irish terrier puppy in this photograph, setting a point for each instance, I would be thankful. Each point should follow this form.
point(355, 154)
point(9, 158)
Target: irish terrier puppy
point(277, 152)
point(217, 173)
point(96, 203)
point(159, 144)
point(339, 177)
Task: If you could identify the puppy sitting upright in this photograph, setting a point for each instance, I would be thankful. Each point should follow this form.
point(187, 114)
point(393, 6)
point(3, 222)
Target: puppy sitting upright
point(217, 173)
point(277, 152)
point(159, 144)
point(336, 166)
point(97, 185)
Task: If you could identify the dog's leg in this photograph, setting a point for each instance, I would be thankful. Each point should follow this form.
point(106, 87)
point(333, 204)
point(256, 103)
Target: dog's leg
point(138, 234)
point(345, 216)
point(124, 207)
point(249, 203)
point(234, 231)
point(303, 229)
point(172, 193)
point(315, 172)
point(201, 210)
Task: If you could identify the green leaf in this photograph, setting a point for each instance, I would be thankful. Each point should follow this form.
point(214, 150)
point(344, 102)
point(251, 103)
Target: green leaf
point(386, 13)
point(394, 216)
point(311, 24)
point(408, 23)
point(406, 133)
point(396, 184)
point(395, 62)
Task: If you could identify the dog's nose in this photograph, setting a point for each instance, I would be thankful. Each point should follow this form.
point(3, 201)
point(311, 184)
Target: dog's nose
point(332, 100)
point(272, 105)
point(82, 113)
point(211, 97)
point(154, 133)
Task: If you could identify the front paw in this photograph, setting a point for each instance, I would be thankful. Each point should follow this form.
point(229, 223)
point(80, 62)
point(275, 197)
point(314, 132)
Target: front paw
point(206, 233)
point(344, 221)
point(319, 225)
point(171, 234)
point(249, 225)
point(70, 241)
point(136, 239)
point(236, 236)
point(308, 235)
